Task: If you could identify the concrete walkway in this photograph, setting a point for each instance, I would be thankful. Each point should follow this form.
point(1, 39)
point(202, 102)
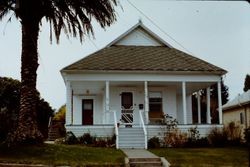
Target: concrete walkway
point(138, 153)
point(144, 158)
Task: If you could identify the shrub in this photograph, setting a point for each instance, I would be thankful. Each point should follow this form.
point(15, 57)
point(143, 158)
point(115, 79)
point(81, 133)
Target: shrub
point(104, 142)
point(247, 136)
point(172, 136)
point(194, 139)
point(86, 138)
point(111, 141)
point(218, 137)
point(70, 138)
point(193, 134)
point(175, 138)
point(202, 142)
point(154, 142)
point(170, 123)
point(89, 140)
point(234, 134)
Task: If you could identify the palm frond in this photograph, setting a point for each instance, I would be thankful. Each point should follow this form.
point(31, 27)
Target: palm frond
point(74, 16)
point(5, 7)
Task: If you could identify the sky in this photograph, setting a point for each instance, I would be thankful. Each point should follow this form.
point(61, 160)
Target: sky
point(215, 31)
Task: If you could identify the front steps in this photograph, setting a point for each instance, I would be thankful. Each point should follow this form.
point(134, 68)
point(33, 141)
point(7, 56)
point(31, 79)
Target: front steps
point(54, 130)
point(145, 162)
point(143, 158)
point(131, 137)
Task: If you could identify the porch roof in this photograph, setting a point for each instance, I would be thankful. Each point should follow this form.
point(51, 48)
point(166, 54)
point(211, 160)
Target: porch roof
point(143, 58)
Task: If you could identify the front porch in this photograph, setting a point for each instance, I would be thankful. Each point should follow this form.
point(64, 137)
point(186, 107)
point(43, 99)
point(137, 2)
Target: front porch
point(91, 103)
point(133, 110)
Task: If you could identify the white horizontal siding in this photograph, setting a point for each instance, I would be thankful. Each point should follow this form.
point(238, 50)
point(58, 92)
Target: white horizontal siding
point(152, 130)
point(158, 131)
point(97, 131)
point(139, 37)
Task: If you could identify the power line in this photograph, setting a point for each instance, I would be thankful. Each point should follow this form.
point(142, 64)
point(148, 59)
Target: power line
point(159, 27)
point(92, 42)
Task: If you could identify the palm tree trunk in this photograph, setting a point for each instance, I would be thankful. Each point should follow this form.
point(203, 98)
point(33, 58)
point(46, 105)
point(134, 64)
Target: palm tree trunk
point(27, 131)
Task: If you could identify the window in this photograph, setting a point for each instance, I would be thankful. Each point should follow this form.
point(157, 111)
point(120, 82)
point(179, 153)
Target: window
point(241, 118)
point(155, 102)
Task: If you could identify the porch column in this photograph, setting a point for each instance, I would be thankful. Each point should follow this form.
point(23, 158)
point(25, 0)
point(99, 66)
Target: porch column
point(107, 96)
point(199, 106)
point(219, 102)
point(146, 101)
point(69, 104)
point(184, 102)
point(208, 106)
point(106, 115)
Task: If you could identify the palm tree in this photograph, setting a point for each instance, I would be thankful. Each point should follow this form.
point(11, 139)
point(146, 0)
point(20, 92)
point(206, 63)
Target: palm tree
point(71, 16)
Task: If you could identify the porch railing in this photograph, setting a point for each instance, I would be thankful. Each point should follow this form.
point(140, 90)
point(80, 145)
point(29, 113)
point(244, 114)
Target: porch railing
point(127, 115)
point(50, 120)
point(142, 124)
point(116, 130)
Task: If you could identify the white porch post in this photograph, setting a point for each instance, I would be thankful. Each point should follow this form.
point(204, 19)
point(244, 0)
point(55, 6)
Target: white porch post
point(199, 106)
point(106, 102)
point(184, 102)
point(69, 112)
point(146, 101)
point(219, 102)
point(107, 96)
point(208, 106)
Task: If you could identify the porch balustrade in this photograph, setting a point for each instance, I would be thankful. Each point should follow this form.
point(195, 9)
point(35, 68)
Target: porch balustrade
point(116, 130)
point(142, 124)
point(127, 115)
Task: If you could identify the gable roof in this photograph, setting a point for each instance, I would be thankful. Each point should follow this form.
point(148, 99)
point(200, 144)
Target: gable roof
point(136, 27)
point(238, 101)
point(142, 59)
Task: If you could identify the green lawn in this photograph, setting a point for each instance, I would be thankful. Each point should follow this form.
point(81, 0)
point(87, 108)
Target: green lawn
point(62, 155)
point(196, 157)
point(82, 156)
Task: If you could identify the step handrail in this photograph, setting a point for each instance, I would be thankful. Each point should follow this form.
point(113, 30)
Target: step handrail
point(50, 121)
point(144, 129)
point(116, 130)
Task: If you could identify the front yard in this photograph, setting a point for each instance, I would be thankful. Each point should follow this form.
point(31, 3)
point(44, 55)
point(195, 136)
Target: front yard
point(62, 155)
point(76, 155)
point(197, 157)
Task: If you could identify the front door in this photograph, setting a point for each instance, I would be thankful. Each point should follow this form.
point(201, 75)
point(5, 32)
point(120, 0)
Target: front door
point(127, 107)
point(87, 112)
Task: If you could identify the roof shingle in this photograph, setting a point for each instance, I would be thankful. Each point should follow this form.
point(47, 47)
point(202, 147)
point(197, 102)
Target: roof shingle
point(142, 58)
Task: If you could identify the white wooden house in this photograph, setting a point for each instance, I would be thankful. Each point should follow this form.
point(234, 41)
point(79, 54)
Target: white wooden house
point(134, 81)
point(238, 111)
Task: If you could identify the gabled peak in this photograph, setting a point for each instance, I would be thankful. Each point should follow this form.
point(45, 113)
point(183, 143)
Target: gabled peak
point(139, 35)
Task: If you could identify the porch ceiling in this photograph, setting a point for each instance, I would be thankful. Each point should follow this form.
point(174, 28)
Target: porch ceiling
point(191, 87)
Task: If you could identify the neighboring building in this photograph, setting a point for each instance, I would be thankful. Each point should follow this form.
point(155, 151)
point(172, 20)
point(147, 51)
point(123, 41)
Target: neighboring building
point(238, 110)
point(135, 80)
